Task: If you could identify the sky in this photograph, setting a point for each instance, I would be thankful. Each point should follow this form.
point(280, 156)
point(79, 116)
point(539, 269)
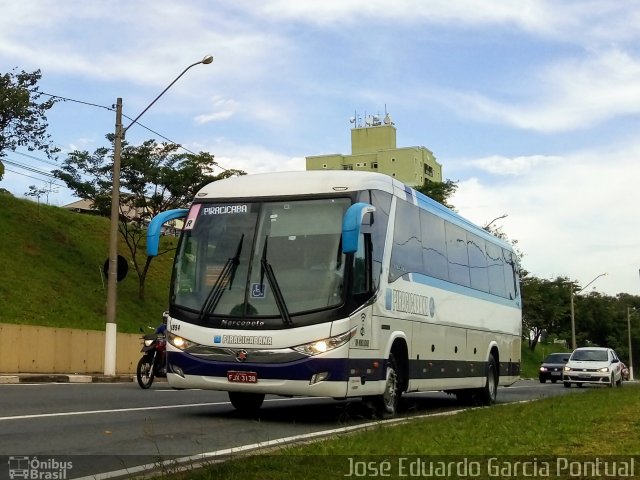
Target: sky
point(532, 107)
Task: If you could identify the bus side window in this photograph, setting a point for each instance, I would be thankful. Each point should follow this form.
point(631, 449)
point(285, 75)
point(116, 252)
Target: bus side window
point(186, 268)
point(362, 282)
point(406, 252)
point(510, 274)
point(457, 255)
point(434, 250)
point(477, 263)
point(495, 264)
point(376, 224)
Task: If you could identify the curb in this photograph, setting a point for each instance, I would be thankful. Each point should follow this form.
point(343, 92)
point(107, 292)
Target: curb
point(63, 378)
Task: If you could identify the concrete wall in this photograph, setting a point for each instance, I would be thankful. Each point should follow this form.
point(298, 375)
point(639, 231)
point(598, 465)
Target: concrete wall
point(33, 349)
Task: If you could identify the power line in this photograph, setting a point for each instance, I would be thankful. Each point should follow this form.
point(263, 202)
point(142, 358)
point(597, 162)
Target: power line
point(31, 169)
point(35, 178)
point(36, 158)
point(67, 99)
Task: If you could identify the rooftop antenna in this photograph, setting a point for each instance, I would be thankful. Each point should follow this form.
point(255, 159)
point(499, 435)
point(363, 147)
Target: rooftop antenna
point(355, 119)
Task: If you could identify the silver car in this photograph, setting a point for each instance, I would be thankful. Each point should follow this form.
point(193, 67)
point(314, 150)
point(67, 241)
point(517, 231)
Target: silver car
point(595, 365)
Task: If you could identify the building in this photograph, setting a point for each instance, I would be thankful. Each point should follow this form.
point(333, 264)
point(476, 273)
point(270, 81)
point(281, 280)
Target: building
point(172, 227)
point(373, 149)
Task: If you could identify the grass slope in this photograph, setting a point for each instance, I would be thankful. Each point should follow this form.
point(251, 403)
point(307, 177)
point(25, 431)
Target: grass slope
point(531, 359)
point(600, 422)
point(51, 271)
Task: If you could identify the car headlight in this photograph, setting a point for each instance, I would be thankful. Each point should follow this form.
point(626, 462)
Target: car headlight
point(327, 344)
point(604, 369)
point(543, 369)
point(567, 369)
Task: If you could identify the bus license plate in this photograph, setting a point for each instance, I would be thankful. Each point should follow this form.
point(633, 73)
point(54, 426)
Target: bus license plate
point(242, 377)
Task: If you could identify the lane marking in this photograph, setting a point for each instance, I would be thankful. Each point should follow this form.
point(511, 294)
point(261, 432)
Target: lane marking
point(111, 410)
point(137, 409)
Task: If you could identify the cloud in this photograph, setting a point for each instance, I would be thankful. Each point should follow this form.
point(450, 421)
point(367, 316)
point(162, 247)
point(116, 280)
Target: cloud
point(222, 110)
point(251, 158)
point(567, 95)
point(575, 21)
point(573, 216)
point(501, 165)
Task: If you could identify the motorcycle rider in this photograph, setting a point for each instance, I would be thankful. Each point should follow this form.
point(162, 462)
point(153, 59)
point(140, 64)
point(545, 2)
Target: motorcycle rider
point(161, 331)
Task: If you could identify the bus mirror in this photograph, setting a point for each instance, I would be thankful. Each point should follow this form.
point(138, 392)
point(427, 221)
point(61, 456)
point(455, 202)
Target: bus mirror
point(155, 228)
point(351, 225)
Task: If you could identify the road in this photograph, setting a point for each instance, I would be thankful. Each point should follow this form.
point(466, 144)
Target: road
point(108, 427)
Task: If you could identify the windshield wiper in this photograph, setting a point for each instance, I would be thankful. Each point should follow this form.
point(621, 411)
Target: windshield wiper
point(227, 274)
point(275, 288)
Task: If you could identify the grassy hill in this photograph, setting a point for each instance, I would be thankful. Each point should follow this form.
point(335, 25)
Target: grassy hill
point(51, 271)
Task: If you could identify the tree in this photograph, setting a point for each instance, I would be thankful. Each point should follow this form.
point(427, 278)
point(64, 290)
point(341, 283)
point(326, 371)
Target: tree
point(23, 121)
point(545, 307)
point(153, 177)
point(439, 191)
point(36, 193)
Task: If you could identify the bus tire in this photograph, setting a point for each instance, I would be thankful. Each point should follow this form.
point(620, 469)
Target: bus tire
point(246, 401)
point(387, 403)
point(487, 395)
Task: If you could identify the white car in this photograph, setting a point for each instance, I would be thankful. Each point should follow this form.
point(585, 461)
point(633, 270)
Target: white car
point(595, 365)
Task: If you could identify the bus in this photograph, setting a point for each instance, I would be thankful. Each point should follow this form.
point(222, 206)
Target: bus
point(337, 284)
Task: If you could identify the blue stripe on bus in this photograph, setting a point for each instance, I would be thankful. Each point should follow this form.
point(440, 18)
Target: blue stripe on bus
point(461, 290)
point(340, 369)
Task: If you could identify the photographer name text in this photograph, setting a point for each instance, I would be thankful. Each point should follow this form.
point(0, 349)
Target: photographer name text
point(412, 467)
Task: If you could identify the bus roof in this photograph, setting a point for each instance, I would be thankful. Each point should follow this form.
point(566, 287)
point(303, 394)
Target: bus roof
point(306, 182)
point(296, 183)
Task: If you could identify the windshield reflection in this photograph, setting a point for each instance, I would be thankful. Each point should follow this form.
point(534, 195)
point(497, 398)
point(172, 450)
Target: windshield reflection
point(304, 256)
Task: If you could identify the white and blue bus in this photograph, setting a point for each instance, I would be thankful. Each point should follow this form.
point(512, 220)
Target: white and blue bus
point(337, 284)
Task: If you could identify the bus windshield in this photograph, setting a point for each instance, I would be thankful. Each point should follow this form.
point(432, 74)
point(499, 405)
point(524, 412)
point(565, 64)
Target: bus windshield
point(240, 259)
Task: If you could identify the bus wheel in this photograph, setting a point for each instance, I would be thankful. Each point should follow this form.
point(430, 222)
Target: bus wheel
point(387, 403)
point(246, 402)
point(487, 395)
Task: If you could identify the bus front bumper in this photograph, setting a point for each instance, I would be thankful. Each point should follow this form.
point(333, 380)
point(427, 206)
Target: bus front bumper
point(312, 376)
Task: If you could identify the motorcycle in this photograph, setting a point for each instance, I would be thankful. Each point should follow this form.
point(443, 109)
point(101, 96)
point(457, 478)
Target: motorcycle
point(153, 362)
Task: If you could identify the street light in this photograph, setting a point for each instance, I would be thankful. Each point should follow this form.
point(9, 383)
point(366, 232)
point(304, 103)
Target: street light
point(110, 329)
point(629, 312)
point(573, 318)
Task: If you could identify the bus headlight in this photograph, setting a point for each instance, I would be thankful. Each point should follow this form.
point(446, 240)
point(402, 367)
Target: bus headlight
point(326, 344)
point(179, 342)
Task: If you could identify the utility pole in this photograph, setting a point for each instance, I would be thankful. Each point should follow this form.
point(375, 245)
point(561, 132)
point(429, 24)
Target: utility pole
point(112, 281)
point(111, 326)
